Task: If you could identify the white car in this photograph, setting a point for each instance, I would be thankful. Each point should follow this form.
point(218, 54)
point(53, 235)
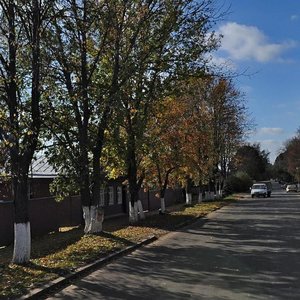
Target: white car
point(259, 189)
point(291, 188)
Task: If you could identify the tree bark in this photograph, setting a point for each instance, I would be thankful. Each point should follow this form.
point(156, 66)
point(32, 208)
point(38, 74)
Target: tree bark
point(22, 237)
point(188, 191)
point(135, 205)
point(23, 145)
point(162, 205)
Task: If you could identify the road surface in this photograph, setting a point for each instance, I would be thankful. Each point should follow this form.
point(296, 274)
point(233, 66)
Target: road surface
point(248, 250)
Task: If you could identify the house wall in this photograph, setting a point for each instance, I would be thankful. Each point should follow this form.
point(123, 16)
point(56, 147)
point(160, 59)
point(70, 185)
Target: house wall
point(39, 187)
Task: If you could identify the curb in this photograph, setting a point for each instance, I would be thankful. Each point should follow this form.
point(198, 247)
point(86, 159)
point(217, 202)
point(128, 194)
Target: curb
point(59, 282)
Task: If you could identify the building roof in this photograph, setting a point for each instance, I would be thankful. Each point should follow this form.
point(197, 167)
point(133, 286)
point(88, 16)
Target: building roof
point(40, 168)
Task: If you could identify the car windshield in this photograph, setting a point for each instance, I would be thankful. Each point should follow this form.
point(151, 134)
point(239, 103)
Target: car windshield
point(259, 186)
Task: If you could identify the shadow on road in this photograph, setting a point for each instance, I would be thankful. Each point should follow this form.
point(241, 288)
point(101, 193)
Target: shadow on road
point(249, 250)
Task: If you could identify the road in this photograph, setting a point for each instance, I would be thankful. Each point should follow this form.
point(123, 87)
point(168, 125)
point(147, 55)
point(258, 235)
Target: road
point(248, 250)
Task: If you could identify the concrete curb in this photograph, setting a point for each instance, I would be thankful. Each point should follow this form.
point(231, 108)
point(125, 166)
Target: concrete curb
point(59, 282)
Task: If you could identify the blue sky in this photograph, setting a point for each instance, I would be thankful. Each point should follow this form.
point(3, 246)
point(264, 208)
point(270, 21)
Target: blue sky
point(262, 42)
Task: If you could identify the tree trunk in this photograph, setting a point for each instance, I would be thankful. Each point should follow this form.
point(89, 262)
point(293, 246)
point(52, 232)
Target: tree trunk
point(93, 214)
point(93, 217)
point(133, 212)
point(188, 191)
point(136, 211)
point(22, 237)
point(200, 199)
point(162, 200)
point(188, 198)
point(162, 205)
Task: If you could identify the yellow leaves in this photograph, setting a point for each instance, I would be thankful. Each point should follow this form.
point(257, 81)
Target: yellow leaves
point(114, 173)
point(8, 144)
point(2, 115)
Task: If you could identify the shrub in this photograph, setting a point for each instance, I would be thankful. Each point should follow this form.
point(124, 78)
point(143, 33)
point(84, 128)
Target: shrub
point(237, 183)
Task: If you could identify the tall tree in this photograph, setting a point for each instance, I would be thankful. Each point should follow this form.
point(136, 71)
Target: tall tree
point(212, 125)
point(288, 162)
point(21, 66)
point(163, 156)
point(78, 49)
point(229, 124)
point(171, 45)
point(252, 160)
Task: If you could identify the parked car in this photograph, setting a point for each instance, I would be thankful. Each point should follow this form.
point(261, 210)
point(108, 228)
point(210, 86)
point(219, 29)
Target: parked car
point(291, 188)
point(259, 189)
point(269, 186)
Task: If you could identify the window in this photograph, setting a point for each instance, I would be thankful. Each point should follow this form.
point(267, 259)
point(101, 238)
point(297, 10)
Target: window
point(102, 197)
point(119, 192)
point(111, 195)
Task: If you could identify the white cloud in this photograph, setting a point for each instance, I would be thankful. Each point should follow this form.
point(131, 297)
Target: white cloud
point(243, 42)
point(270, 131)
point(246, 89)
point(221, 62)
point(271, 139)
point(273, 147)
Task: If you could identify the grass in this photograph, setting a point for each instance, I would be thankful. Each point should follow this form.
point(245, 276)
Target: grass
point(61, 253)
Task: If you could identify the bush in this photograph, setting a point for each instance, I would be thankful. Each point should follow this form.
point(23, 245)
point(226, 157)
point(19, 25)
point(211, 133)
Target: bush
point(237, 183)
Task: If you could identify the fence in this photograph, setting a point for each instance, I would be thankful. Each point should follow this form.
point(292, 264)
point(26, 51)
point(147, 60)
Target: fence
point(47, 215)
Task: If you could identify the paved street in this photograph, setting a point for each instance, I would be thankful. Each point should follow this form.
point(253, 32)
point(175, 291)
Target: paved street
point(250, 250)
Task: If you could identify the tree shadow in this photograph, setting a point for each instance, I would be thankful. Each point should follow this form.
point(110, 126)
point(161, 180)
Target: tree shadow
point(62, 272)
point(113, 237)
point(55, 242)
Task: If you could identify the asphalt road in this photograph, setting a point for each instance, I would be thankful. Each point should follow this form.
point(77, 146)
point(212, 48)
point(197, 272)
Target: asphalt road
point(249, 250)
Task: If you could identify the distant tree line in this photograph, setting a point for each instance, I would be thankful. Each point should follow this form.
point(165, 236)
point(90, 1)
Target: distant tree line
point(287, 163)
point(249, 164)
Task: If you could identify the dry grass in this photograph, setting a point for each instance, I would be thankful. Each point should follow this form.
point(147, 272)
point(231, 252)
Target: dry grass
point(60, 253)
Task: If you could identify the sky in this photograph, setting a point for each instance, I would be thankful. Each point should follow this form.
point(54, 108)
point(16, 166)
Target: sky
point(261, 43)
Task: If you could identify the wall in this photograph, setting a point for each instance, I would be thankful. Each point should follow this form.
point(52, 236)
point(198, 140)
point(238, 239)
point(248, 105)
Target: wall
point(47, 215)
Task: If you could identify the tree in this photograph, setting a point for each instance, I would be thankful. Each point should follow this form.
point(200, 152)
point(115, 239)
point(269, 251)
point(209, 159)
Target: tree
point(194, 132)
point(229, 123)
point(214, 123)
point(251, 160)
point(171, 45)
point(21, 70)
point(80, 105)
point(280, 170)
point(288, 162)
point(163, 142)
